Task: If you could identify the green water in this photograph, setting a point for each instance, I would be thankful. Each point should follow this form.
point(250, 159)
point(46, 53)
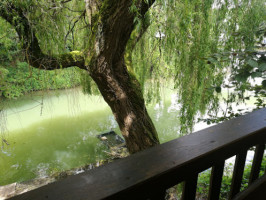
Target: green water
point(55, 131)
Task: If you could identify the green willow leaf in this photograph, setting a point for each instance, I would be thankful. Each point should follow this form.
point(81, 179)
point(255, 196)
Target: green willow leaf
point(252, 63)
point(256, 74)
point(262, 67)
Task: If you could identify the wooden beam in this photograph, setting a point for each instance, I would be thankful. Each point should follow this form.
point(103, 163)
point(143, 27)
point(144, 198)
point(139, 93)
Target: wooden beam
point(256, 164)
point(190, 188)
point(238, 173)
point(216, 181)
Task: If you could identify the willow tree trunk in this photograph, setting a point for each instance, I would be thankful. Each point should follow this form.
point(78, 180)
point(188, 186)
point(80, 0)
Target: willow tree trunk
point(121, 93)
point(119, 88)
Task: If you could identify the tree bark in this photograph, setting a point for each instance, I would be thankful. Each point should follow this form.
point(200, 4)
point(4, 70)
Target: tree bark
point(122, 93)
point(119, 88)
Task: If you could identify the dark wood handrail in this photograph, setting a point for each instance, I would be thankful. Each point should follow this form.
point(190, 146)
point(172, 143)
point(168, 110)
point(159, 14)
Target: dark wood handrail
point(147, 174)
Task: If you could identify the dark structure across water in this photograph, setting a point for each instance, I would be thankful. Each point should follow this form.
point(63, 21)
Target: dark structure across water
point(111, 139)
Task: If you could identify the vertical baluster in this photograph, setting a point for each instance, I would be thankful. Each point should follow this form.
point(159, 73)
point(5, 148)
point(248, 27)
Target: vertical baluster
point(189, 188)
point(255, 170)
point(216, 181)
point(238, 173)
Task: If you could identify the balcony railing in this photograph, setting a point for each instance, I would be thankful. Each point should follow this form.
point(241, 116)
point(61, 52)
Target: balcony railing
point(147, 175)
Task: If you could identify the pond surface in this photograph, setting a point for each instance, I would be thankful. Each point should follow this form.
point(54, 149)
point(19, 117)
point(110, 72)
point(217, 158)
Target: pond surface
point(48, 132)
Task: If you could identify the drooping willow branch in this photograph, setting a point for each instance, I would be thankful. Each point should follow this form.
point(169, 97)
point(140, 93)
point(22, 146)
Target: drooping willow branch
point(71, 29)
point(34, 55)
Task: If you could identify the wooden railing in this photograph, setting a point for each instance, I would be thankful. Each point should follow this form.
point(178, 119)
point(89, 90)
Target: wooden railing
point(146, 175)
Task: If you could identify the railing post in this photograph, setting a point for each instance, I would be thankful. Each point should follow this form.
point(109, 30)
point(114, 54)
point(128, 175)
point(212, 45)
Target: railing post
point(238, 173)
point(216, 181)
point(255, 170)
point(189, 188)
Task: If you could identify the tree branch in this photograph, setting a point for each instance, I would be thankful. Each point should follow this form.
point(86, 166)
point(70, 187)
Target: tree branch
point(145, 6)
point(34, 55)
point(136, 36)
point(62, 2)
point(74, 24)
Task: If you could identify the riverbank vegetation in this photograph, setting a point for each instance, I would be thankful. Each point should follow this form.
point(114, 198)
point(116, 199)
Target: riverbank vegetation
point(21, 79)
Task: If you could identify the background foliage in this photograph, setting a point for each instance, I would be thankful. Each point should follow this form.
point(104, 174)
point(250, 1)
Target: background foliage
point(205, 48)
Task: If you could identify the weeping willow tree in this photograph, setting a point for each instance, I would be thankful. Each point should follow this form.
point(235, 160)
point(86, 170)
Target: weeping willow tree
point(120, 44)
point(198, 43)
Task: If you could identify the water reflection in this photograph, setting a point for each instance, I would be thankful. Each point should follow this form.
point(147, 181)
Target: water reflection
point(57, 131)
